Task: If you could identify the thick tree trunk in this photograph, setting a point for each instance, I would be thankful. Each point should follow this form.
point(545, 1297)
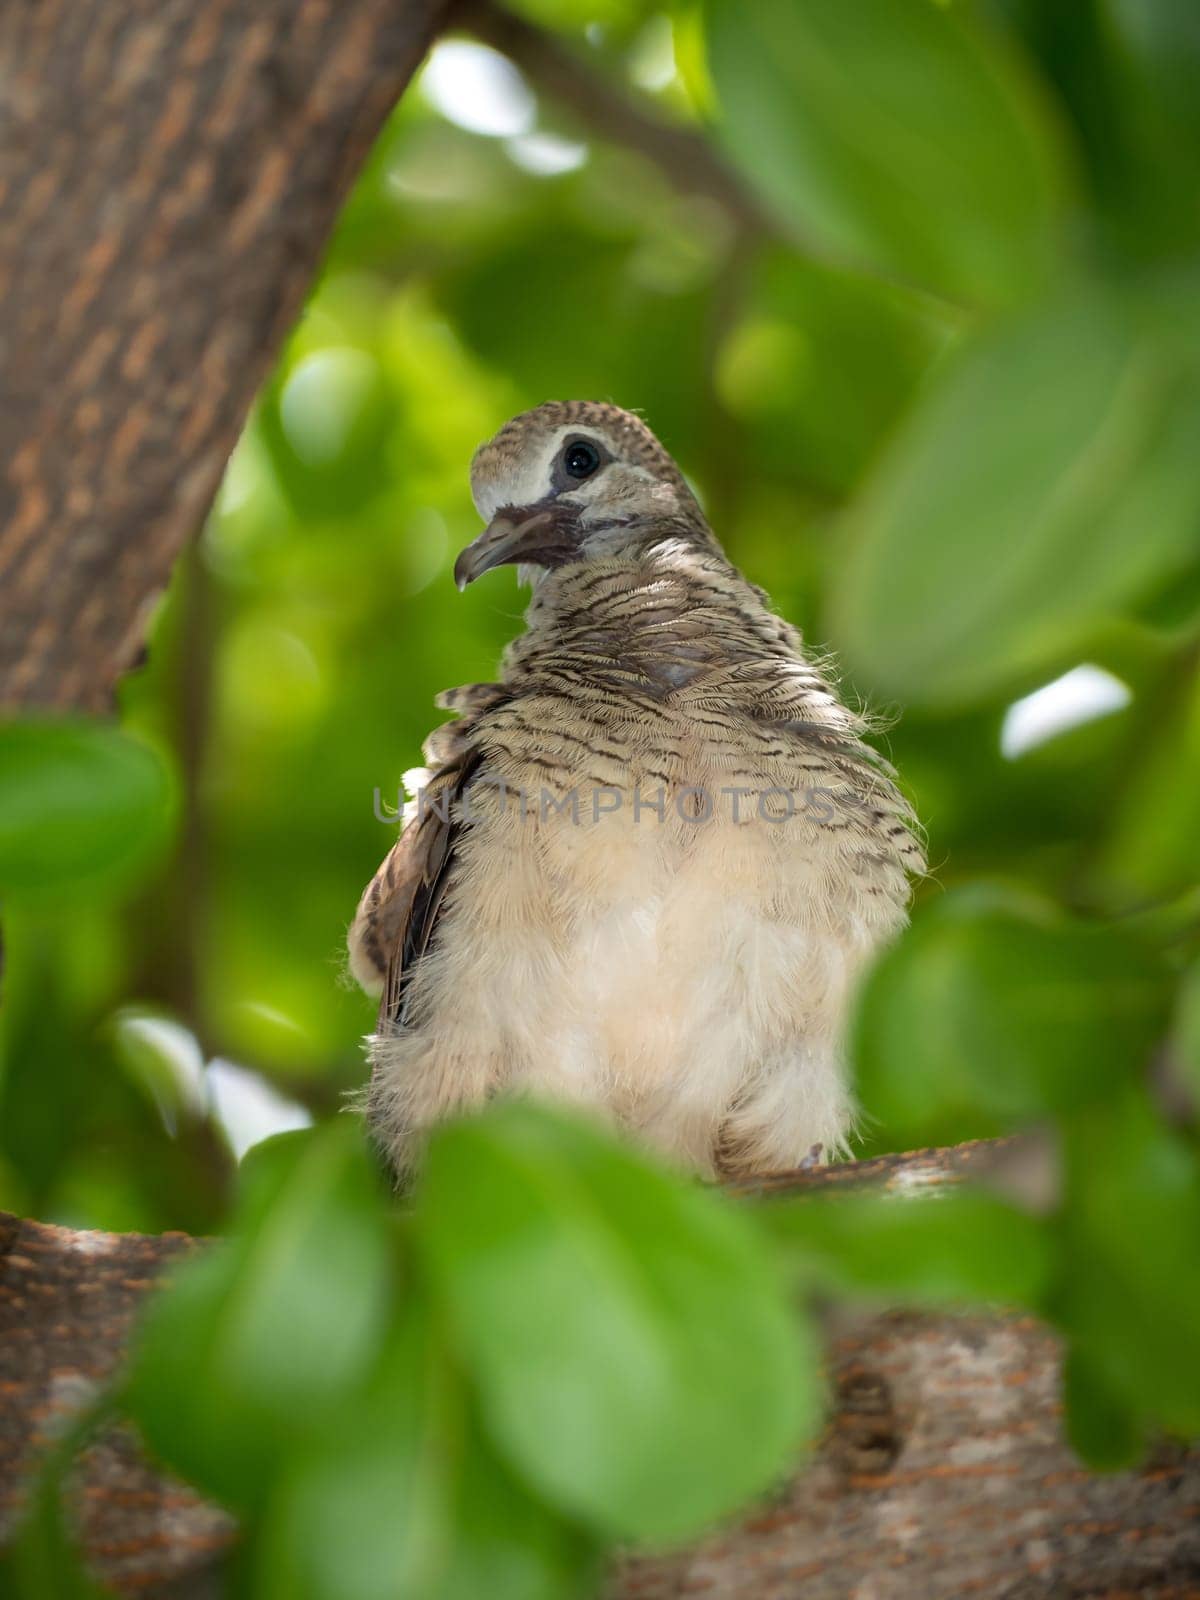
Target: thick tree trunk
point(169, 174)
point(942, 1473)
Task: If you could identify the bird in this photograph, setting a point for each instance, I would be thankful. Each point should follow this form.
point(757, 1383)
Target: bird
point(643, 870)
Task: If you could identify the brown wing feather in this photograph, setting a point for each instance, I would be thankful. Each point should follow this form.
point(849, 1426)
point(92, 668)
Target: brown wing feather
point(399, 894)
point(398, 912)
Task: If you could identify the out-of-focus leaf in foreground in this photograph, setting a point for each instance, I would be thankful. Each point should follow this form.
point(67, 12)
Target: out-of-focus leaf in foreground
point(1153, 844)
point(258, 1340)
point(992, 1010)
point(1129, 1291)
point(891, 134)
point(80, 803)
point(948, 1248)
point(41, 1558)
point(636, 1354)
point(1045, 482)
point(408, 1498)
point(1124, 72)
point(1100, 1425)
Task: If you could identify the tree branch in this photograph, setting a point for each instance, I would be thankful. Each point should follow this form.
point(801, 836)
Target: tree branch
point(942, 1471)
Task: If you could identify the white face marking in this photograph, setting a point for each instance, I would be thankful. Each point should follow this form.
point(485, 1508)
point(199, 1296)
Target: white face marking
point(528, 481)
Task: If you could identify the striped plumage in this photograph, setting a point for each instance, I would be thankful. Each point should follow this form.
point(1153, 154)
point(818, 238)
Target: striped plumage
point(584, 908)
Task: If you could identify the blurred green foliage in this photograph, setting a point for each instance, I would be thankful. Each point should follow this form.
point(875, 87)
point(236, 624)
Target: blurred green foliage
point(938, 384)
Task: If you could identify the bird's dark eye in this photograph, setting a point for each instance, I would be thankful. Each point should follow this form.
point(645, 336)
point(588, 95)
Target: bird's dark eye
point(581, 459)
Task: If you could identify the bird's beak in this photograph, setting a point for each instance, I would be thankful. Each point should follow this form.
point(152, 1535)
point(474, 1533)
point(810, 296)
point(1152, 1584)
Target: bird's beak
point(536, 534)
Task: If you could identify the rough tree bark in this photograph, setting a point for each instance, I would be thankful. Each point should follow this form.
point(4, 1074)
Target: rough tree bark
point(942, 1471)
point(169, 174)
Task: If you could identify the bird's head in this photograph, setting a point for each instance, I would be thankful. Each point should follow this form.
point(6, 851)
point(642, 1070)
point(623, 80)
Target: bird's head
point(571, 481)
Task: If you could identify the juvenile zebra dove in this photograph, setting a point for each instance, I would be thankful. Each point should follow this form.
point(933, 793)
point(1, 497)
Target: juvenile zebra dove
point(647, 864)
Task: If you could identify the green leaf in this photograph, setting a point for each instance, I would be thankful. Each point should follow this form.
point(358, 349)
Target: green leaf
point(1163, 38)
point(41, 1562)
point(890, 134)
point(1129, 1279)
point(408, 1498)
point(1100, 1426)
point(508, 1543)
point(1124, 74)
point(41, 1559)
point(255, 1344)
point(80, 802)
point(1186, 1030)
point(991, 1010)
point(178, 1392)
point(1046, 481)
point(269, 1166)
point(637, 1358)
point(1153, 846)
point(939, 1249)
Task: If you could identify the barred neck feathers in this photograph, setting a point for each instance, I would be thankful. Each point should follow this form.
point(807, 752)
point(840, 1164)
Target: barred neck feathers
point(674, 619)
